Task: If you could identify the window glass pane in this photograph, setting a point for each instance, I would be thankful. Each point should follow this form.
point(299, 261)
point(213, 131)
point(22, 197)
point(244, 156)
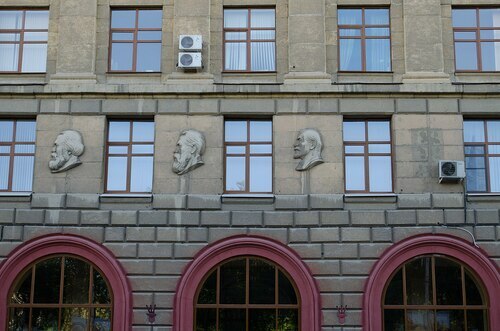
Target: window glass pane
point(394, 292)
point(123, 36)
point(150, 18)
point(235, 131)
point(6, 130)
point(472, 292)
point(37, 19)
point(394, 319)
point(378, 55)
point(123, 18)
point(464, 18)
point(149, 35)
point(19, 318)
point(45, 318)
point(261, 131)
point(350, 32)
point(47, 281)
point(493, 131)
point(476, 180)
point(102, 319)
point(24, 149)
point(350, 54)
point(235, 174)
point(448, 282)
point(420, 319)
point(25, 131)
point(489, 17)
point(380, 173)
point(235, 18)
point(355, 173)
point(208, 291)
point(206, 319)
point(5, 149)
point(76, 281)
point(379, 131)
point(494, 149)
point(490, 55)
point(4, 172)
point(233, 282)
point(286, 291)
point(354, 131)
point(490, 34)
point(74, 318)
point(349, 16)
point(476, 320)
point(473, 131)
point(142, 149)
point(232, 319)
point(117, 174)
point(261, 149)
point(465, 56)
point(263, 56)
point(379, 148)
point(143, 131)
point(11, 19)
point(474, 162)
point(9, 57)
point(475, 149)
point(148, 57)
point(355, 149)
point(494, 174)
point(36, 36)
point(100, 291)
point(288, 320)
point(419, 284)
point(235, 149)
point(466, 35)
point(448, 320)
point(141, 174)
point(383, 32)
point(261, 319)
point(235, 56)
point(376, 16)
point(21, 293)
point(118, 149)
point(262, 286)
point(261, 174)
point(236, 35)
point(10, 36)
point(262, 18)
point(262, 34)
point(121, 56)
point(34, 58)
point(22, 176)
point(119, 131)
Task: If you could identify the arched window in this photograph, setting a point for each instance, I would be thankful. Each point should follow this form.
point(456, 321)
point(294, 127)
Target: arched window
point(247, 293)
point(434, 293)
point(60, 293)
point(283, 289)
point(432, 282)
point(64, 282)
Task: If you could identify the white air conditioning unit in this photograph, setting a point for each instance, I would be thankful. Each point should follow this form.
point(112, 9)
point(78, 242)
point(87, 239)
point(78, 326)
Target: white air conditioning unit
point(190, 42)
point(189, 60)
point(450, 170)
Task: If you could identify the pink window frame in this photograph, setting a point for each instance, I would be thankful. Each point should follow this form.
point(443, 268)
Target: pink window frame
point(31, 251)
point(395, 256)
point(214, 254)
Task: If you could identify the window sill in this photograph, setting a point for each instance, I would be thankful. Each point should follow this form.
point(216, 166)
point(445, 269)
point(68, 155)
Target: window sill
point(17, 78)
point(268, 77)
point(126, 198)
point(370, 198)
point(248, 199)
point(483, 197)
point(364, 77)
point(15, 196)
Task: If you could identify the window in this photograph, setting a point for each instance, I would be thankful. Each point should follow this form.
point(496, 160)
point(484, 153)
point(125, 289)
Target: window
point(434, 293)
point(248, 147)
point(364, 39)
point(60, 293)
point(23, 40)
point(247, 294)
point(367, 156)
point(17, 155)
point(130, 151)
point(476, 33)
point(482, 155)
point(135, 40)
point(249, 40)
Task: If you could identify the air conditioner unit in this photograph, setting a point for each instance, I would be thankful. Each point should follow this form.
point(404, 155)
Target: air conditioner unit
point(450, 170)
point(189, 60)
point(190, 42)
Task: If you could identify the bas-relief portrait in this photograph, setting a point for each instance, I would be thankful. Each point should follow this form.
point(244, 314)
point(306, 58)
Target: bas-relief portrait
point(188, 151)
point(68, 147)
point(307, 148)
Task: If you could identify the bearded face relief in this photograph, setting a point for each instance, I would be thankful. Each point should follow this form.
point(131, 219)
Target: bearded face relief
point(307, 148)
point(66, 152)
point(188, 152)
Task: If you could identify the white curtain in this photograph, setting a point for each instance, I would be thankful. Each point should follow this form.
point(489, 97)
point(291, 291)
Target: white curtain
point(378, 51)
point(9, 57)
point(22, 176)
point(494, 174)
point(496, 23)
point(235, 18)
point(236, 56)
point(263, 58)
point(34, 57)
point(11, 19)
point(37, 19)
point(347, 46)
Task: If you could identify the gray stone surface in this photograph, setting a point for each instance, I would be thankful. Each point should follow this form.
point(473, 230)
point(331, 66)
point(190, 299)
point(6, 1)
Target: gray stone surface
point(46, 200)
point(152, 217)
point(246, 218)
point(412, 201)
point(169, 201)
point(26, 216)
point(326, 201)
point(291, 202)
point(203, 201)
point(83, 201)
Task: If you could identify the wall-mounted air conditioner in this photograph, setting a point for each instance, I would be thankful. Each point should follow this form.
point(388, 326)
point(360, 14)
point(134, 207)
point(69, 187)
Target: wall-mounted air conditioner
point(450, 170)
point(189, 60)
point(190, 42)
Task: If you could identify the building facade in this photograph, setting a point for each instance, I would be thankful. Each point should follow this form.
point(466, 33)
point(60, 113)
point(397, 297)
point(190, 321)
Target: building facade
point(277, 169)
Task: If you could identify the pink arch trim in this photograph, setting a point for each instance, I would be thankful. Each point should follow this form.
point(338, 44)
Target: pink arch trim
point(227, 248)
point(100, 256)
point(396, 255)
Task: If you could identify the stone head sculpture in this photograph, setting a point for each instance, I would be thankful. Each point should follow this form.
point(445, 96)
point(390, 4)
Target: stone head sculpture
point(307, 148)
point(68, 147)
point(188, 151)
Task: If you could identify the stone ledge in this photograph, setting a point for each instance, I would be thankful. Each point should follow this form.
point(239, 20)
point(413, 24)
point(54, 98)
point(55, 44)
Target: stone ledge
point(248, 199)
point(202, 201)
point(488, 197)
point(370, 198)
point(48, 200)
point(326, 201)
point(126, 198)
point(291, 202)
point(83, 201)
point(169, 201)
point(15, 197)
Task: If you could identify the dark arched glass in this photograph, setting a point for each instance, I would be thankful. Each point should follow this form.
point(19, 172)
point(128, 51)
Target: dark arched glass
point(60, 293)
point(247, 294)
point(434, 293)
